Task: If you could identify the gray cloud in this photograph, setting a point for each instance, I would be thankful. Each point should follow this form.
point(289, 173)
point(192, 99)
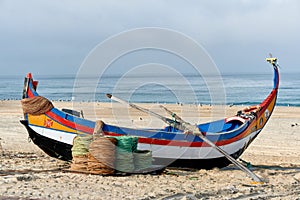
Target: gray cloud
point(49, 37)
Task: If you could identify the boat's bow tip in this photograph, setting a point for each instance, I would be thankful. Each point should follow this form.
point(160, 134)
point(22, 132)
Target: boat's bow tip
point(29, 75)
point(273, 61)
point(24, 122)
point(109, 95)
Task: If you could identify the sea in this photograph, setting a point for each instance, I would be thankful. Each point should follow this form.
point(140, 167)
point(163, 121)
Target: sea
point(229, 89)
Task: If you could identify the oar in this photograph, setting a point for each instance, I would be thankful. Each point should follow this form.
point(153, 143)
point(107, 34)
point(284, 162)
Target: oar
point(195, 130)
point(176, 117)
point(165, 119)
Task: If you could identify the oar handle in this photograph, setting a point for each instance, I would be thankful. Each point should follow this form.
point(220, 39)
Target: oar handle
point(165, 119)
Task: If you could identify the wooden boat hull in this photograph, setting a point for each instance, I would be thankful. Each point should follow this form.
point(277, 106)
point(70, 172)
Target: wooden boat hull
point(54, 131)
point(50, 146)
point(62, 151)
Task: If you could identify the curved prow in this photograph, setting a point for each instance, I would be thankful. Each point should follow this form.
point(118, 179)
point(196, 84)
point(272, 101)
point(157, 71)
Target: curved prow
point(269, 103)
point(274, 63)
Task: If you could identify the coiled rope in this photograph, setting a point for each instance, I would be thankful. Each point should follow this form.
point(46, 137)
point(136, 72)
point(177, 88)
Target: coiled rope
point(36, 105)
point(124, 154)
point(142, 160)
point(80, 152)
point(101, 156)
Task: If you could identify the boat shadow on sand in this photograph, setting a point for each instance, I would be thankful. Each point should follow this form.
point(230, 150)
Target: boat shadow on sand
point(289, 169)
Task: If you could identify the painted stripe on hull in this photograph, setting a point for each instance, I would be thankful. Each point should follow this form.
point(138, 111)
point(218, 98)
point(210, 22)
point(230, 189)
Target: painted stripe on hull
point(69, 123)
point(176, 152)
point(63, 136)
point(160, 151)
point(157, 137)
point(54, 134)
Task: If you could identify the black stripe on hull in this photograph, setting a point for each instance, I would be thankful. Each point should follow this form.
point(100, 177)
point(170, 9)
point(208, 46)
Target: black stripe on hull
point(63, 151)
point(51, 147)
point(197, 163)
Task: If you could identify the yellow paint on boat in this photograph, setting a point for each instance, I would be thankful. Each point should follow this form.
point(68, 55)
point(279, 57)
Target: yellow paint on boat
point(44, 121)
point(265, 116)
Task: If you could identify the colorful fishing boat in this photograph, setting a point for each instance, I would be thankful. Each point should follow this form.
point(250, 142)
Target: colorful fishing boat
point(53, 130)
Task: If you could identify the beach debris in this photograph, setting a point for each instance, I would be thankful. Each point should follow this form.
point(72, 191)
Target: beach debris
point(247, 164)
point(26, 177)
point(1, 149)
point(294, 124)
point(297, 177)
point(194, 178)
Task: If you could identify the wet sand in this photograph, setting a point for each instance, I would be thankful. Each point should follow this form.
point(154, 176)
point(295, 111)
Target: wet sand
point(28, 173)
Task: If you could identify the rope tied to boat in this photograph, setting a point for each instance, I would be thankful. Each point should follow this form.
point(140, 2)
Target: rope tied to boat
point(98, 131)
point(36, 105)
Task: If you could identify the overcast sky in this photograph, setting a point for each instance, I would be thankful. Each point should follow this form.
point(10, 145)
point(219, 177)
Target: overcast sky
point(54, 36)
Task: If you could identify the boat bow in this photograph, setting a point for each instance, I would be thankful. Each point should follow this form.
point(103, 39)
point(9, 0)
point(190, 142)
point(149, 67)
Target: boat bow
point(268, 105)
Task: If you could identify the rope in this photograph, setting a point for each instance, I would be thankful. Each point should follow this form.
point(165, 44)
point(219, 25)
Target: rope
point(36, 106)
point(142, 159)
point(102, 151)
point(98, 132)
point(124, 155)
point(96, 167)
point(127, 143)
point(79, 163)
point(124, 161)
point(102, 155)
point(80, 151)
point(81, 145)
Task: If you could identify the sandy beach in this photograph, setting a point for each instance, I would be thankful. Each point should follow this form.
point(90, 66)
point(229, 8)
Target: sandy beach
point(28, 173)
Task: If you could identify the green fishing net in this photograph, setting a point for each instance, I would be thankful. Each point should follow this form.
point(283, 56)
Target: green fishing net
point(81, 145)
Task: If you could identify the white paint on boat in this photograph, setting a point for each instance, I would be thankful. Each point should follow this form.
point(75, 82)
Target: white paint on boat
point(60, 136)
point(160, 151)
point(177, 152)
